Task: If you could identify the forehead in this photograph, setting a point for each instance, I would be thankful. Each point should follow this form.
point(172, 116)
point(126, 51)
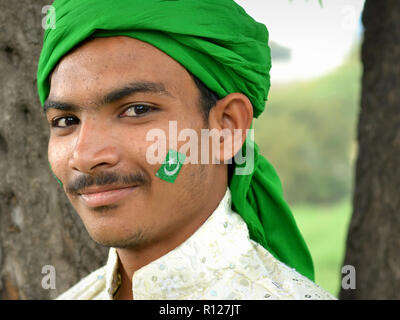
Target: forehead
point(104, 63)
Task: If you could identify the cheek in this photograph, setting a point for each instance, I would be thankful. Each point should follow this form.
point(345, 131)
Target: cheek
point(152, 144)
point(58, 154)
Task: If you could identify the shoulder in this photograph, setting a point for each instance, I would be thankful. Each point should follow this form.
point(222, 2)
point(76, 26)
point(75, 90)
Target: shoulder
point(287, 280)
point(91, 287)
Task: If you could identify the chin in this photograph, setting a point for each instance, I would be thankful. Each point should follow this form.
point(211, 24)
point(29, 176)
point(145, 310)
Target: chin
point(114, 238)
point(114, 226)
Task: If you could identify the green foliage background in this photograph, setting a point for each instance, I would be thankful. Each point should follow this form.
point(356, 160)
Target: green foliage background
point(308, 132)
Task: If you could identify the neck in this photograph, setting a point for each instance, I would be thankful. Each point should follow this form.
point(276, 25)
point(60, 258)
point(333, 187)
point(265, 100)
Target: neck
point(132, 259)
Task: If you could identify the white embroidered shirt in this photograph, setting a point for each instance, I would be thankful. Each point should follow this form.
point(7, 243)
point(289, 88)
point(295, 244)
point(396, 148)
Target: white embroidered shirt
point(219, 261)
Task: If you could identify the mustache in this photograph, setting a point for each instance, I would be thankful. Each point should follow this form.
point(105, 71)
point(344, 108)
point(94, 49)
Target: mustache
point(106, 178)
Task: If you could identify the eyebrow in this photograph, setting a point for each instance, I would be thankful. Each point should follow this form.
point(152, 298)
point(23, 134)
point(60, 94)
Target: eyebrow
point(113, 96)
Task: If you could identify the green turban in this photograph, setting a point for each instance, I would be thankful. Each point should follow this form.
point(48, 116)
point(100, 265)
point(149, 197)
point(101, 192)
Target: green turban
point(228, 51)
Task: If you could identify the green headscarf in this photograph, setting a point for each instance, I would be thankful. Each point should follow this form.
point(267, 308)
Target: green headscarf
point(228, 51)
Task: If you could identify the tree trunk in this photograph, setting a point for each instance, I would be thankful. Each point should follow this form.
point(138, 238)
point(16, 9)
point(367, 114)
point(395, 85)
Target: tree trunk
point(38, 227)
point(373, 244)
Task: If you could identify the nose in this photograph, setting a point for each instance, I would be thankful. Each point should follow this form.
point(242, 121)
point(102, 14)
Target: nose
point(94, 149)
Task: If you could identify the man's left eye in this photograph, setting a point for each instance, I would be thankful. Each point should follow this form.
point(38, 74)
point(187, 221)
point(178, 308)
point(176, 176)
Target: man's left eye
point(138, 110)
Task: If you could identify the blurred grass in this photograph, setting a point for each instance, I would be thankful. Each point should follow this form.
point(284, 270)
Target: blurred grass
point(324, 229)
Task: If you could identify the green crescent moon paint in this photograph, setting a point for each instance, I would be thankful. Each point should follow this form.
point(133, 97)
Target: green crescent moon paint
point(171, 166)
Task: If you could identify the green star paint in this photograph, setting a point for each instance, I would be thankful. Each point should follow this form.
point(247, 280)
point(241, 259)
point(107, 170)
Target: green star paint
point(171, 166)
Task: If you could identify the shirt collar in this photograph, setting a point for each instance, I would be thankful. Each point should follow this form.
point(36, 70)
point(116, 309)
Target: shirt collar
point(192, 266)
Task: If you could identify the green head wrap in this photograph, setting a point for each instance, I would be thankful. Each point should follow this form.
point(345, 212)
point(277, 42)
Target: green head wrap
point(228, 51)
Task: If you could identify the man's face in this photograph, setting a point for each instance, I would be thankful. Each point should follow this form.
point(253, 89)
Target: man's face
point(98, 140)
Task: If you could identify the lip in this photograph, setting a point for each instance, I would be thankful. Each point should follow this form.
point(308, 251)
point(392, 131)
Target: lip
point(103, 196)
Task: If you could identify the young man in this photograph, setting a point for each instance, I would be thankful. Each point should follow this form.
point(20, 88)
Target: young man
point(111, 73)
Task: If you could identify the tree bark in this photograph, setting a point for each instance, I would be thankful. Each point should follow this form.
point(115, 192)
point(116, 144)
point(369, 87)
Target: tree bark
point(38, 226)
point(373, 243)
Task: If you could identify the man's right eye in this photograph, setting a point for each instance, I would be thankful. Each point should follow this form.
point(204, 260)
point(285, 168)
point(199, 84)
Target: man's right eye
point(64, 122)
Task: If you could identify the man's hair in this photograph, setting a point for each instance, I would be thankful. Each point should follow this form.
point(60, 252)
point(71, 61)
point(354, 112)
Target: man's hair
point(208, 98)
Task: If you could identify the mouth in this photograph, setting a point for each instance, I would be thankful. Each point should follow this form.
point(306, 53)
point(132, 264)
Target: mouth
point(104, 196)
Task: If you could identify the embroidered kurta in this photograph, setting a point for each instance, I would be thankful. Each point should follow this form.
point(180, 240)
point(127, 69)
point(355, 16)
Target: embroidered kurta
point(218, 261)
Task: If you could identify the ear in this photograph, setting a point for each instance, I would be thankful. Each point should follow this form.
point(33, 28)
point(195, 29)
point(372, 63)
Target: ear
point(231, 117)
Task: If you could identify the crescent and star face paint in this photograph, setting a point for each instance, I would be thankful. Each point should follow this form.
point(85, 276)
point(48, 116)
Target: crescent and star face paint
point(170, 168)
